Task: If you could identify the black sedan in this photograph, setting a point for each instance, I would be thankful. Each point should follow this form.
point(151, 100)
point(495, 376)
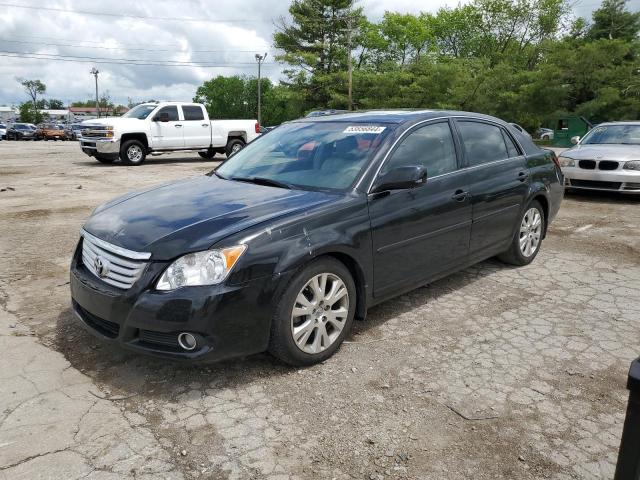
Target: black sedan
point(307, 227)
point(21, 131)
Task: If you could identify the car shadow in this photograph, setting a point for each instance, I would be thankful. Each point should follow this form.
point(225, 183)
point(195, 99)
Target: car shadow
point(601, 196)
point(130, 373)
point(153, 161)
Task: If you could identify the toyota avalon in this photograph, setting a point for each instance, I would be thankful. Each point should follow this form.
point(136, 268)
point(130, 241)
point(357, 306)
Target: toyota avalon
point(310, 225)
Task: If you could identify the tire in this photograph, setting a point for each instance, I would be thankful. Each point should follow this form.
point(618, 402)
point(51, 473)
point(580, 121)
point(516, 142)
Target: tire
point(314, 346)
point(208, 155)
point(102, 159)
point(133, 152)
point(531, 226)
point(234, 146)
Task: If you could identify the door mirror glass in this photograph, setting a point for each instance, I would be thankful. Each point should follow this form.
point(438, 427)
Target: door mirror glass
point(401, 178)
point(575, 140)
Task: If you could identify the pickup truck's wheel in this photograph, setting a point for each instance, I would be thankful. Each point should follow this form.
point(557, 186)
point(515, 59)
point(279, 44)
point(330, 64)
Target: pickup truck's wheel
point(103, 159)
point(133, 152)
point(314, 314)
point(526, 242)
point(234, 146)
point(209, 154)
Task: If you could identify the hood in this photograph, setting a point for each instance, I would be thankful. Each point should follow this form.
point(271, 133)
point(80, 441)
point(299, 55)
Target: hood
point(617, 152)
point(116, 122)
point(191, 215)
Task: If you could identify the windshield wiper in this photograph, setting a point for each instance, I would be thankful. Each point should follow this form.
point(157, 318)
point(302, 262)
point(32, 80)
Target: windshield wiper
point(262, 181)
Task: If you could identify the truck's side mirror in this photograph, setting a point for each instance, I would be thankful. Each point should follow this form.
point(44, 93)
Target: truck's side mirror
point(162, 117)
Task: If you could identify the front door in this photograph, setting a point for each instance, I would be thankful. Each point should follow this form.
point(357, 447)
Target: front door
point(498, 185)
point(421, 232)
point(167, 134)
point(197, 130)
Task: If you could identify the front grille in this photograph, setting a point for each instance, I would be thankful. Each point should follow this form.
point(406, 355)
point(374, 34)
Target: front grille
point(159, 339)
point(105, 327)
point(596, 184)
point(112, 264)
point(96, 132)
point(587, 164)
point(607, 165)
point(631, 186)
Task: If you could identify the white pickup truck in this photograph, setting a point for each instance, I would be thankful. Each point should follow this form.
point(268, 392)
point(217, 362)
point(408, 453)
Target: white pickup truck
point(156, 128)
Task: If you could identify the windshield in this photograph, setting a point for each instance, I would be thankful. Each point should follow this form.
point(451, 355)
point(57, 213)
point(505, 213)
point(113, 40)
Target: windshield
point(612, 134)
point(318, 155)
point(140, 112)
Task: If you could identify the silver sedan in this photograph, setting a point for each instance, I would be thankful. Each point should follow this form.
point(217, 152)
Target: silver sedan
point(606, 158)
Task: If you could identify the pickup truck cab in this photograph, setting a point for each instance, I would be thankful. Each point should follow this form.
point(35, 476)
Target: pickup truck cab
point(156, 128)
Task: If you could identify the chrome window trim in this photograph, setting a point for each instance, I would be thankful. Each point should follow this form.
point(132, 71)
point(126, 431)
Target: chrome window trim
point(453, 133)
point(130, 254)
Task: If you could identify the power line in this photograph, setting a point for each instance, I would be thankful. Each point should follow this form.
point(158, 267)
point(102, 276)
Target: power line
point(116, 61)
point(139, 17)
point(130, 49)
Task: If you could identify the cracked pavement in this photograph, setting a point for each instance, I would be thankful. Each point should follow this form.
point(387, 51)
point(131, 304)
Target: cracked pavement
point(494, 372)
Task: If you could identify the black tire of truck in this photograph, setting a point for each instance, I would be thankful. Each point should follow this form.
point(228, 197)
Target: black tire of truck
point(234, 145)
point(102, 159)
point(208, 155)
point(133, 152)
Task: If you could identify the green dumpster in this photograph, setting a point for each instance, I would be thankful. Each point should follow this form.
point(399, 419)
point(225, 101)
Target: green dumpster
point(565, 128)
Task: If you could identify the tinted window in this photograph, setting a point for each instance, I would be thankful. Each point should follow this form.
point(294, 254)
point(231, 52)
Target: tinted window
point(192, 112)
point(430, 146)
point(511, 147)
point(172, 111)
point(482, 142)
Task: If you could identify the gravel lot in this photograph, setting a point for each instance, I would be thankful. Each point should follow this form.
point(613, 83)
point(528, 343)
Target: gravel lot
point(494, 372)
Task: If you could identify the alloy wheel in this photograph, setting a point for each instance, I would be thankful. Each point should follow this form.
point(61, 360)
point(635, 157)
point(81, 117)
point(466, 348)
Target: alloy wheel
point(134, 153)
point(319, 313)
point(530, 232)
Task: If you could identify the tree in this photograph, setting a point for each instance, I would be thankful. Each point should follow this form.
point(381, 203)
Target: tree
point(613, 21)
point(55, 104)
point(33, 89)
point(27, 113)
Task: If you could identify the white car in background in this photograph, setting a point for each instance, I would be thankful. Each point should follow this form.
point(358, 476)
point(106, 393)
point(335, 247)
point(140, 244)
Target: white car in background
point(3, 131)
point(606, 158)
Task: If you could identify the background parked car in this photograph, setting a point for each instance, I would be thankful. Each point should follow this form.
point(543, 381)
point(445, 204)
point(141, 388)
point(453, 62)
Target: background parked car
point(52, 132)
point(3, 131)
point(73, 131)
point(21, 131)
point(545, 133)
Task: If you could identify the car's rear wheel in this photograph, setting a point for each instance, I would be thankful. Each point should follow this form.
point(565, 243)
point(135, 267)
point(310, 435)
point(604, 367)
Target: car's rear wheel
point(528, 238)
point(314, 314)
point(133, 152)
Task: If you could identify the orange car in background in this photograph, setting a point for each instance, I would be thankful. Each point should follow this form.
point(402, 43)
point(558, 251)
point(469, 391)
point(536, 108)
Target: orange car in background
point(51, 132)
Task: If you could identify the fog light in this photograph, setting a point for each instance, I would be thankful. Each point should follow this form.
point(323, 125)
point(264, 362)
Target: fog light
point(187, 341)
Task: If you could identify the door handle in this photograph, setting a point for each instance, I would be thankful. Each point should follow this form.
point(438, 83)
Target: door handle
point(522, 176)
point(460, 196)
point(205, 124)
point(178, 126)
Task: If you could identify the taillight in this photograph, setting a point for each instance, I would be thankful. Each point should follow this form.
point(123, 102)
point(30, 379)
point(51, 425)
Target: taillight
point(257, 127)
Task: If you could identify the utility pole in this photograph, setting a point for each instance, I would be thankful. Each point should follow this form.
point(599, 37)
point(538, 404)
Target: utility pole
point(260, 59)
point(349, 63)
point(94, 71)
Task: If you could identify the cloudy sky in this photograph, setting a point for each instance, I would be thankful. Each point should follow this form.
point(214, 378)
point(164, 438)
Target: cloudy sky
point(222, 35)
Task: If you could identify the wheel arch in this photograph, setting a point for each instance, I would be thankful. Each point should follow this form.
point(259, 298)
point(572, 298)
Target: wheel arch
point(237, 134)
point(140, 136)
point(544, 203)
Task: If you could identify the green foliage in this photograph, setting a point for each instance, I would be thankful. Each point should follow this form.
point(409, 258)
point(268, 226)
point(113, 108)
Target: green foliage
point(28, 114)
point(55, 104)
point(613, 21)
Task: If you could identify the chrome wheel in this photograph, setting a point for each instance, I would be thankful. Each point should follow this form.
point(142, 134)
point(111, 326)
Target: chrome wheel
point(236, 148)
point(134, 154)
point(530, 232)
point(319, 313)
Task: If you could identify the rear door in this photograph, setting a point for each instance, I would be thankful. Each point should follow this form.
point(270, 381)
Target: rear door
point(498, 184)
point(421, 232)
point(167, 134)
point(197, 129)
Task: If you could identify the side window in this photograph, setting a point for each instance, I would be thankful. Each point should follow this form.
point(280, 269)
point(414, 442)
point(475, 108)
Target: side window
point(511, 147)
point(483, 143)
point(192, 112)
point(171, 110)
point(430, 146)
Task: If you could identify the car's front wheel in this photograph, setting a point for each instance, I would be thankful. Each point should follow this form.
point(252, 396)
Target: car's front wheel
point(314, 314)
point(528, 238)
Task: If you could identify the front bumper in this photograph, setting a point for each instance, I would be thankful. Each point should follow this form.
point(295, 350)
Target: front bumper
point(105, 146)
point(227, 320)
point(620, 180)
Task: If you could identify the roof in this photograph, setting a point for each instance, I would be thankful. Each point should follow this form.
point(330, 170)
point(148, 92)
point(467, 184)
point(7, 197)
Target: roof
point(621, 122)
point(393, 116)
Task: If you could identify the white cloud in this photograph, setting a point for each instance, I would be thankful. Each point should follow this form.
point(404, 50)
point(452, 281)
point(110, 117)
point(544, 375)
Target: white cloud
point(148, 40)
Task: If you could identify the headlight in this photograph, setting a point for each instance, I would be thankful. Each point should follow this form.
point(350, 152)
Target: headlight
point(201, 268)
point(633, 165)
point(566, 162)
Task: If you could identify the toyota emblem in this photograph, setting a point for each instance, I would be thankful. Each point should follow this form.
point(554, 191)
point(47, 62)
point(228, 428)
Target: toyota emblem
point(102, 266)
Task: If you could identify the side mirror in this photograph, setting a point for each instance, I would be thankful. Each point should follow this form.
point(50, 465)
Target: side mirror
point(401, 178)
point(575, 140)
point(162, 117)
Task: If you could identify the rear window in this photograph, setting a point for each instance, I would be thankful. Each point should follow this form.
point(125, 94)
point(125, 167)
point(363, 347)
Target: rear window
point(192, 112)
point(483, 143)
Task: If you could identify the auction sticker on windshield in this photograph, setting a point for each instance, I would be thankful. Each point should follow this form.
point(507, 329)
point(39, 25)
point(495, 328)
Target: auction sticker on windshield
point(364, 129)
